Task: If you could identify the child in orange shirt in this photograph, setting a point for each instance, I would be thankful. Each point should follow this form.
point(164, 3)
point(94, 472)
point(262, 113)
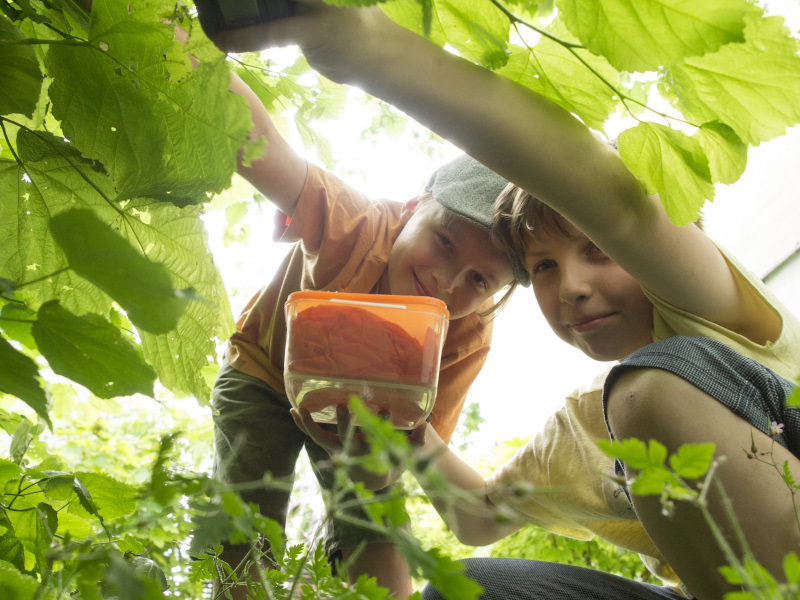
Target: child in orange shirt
point(437, 244)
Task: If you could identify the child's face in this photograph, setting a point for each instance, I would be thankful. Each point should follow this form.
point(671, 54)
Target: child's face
point(447, 258)
point(588, 300)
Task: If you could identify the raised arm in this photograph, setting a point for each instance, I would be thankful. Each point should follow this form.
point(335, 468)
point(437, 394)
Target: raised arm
point(280, 173)
point(530, 141)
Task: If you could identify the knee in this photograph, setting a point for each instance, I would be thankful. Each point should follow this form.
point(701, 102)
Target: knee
point(642, 400)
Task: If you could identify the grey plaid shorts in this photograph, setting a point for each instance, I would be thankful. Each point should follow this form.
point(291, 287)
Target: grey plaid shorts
point(748, 388)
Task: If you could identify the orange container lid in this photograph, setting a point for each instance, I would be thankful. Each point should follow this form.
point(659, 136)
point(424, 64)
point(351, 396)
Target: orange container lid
point(425, 304)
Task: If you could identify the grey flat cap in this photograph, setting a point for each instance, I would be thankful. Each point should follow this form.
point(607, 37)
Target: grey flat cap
point(468, 190)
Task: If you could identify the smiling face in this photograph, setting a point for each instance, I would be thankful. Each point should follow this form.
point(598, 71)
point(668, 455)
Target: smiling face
point(588, 300)
point(447, 258)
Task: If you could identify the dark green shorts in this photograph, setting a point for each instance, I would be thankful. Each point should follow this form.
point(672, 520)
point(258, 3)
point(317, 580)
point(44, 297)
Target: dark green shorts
point(254, 434)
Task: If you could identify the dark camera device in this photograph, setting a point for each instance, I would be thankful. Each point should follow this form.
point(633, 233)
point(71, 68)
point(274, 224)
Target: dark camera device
point(226, 15)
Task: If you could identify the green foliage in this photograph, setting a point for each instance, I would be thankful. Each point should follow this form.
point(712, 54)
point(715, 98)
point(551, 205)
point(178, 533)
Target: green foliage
point(113, 145)
point(730, 73)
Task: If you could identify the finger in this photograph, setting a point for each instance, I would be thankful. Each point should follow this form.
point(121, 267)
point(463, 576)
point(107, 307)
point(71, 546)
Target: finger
point(342, 421)
point(326, 439)
point(298, 420)
point(417, 436)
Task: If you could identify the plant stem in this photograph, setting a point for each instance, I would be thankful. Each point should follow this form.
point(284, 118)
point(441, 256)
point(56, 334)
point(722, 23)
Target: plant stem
point(42, 278)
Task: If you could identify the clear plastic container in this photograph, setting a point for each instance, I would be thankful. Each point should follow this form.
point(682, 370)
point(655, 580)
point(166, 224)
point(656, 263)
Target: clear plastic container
point(384, 349)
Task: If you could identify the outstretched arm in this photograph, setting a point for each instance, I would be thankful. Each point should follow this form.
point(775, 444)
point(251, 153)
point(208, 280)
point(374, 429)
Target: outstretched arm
point(280, 173)
point(473, 519)
point(530, 141)
point(463, 505)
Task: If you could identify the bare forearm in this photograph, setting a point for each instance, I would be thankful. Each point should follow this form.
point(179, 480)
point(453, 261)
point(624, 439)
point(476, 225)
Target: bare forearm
point(516, 132)
point(463, 504)
point(280, 173)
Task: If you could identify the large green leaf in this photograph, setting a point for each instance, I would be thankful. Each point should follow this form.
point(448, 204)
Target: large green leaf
point(91, 351)
point(57, 178)
point(642, 35)
point(551, 70)
point(19, 72)
point(670, 164)
point(140, 286)
point(54, 178)
point(178, 239)
point(18, 377)
point(110, 498)
point(175, 140)
point(727, 154)
point(752, 87)
point(477, 29)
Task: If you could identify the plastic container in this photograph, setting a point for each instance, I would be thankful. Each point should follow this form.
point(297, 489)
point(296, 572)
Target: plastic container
point(384, 349)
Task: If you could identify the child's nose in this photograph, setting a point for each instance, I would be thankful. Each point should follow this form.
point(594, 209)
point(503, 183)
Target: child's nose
point(446, 279)
point(575, 285)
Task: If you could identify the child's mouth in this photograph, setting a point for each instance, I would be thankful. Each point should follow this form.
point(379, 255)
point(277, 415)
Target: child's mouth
point(588, 323)
point(420, 289)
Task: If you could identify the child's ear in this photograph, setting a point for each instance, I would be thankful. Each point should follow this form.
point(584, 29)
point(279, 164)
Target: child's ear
point(408, 210)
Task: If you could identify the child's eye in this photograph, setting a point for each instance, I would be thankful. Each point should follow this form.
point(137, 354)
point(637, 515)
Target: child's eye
point(543, 266)
point(480, 281)
point(444, 240)
point(592, 249)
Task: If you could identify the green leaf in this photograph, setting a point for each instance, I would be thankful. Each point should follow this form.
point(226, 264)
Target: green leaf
point(111, 498)
point(19, 377)
point(21, 440)
point(159, 133)
point(142, 287)
point(148, 569)
point(8, 472)
point(92, 352)
point(177, 237)
point(794, 397)
point(60, 179)
point(671, 164)
point(791, 568)
point(16, 321)
point(85, 498)
point(160, 487)
point(752, 87)
point(731, 575)
point(11, 549)
point(211, 525)
point(635, 453)
point(727, 154)
point(7, 287)
point(636, 35)
point(55, 178)
point(35, 529)
point(19, 72)
point(651, 481)
point(692, 460)
point(477, 30)
point(16, 585)
point(126, 582)
point(554, 72)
